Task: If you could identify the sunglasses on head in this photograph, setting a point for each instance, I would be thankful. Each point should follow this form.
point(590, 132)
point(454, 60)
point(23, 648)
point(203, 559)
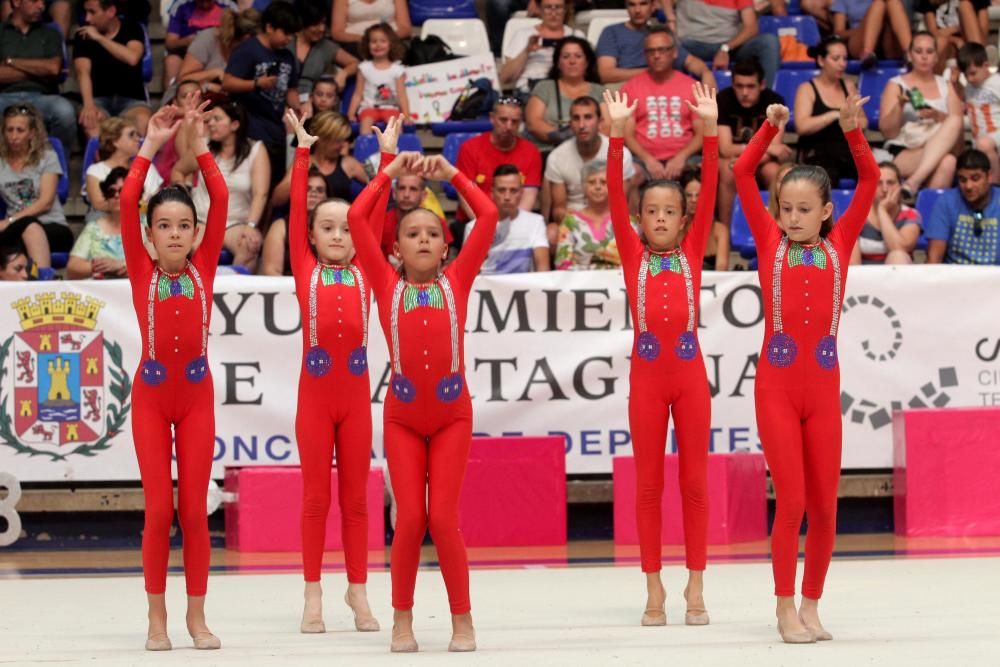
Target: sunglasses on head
point(18, 110)
point(507, 100)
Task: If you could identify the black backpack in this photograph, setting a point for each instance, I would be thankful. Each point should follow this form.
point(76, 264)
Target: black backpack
point(430, 49)
point(476, 100)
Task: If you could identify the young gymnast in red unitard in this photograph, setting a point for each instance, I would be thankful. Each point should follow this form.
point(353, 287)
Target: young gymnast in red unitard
point(663, 279)
point(803, 259)
point(428, 411)
point(334, 406)
point(173, 386)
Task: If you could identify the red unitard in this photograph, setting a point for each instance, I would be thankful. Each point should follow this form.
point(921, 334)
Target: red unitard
point(797, 390)
point(667, 374)
point(334, 407)
point(428, 412)
point(173, 386)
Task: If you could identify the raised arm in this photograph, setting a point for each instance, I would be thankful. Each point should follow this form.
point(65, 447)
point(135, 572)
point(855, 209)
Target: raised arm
point(707, 109)
point(388, 141)
point(620, 111)
point(207, 254)
point(849, 226)
point(761, 223)
point(298, 241)
point(470, 259)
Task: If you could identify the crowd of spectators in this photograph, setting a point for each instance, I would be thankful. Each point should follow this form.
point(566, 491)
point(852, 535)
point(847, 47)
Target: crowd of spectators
point(544, 159)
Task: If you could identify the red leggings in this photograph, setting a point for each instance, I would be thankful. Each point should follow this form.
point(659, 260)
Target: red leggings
point(800, 430)
point(190, 409)
point(427, 474)
point(649, 409)
point(325, 417)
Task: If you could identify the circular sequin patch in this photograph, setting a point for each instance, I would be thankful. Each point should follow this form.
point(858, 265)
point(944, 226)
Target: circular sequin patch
point(687, 346)
point(357, 363)
point(781, 350)
point(153, 372)
point(317, 362)
point(450, 388)
point(403, 389)
point(826, 353)
point(196, 370)
point(648, 346)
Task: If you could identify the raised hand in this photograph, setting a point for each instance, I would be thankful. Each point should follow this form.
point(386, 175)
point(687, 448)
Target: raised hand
point(162, 125)
point(389, 138)
point(619, 110)
point(299, 125)
point(705, 107)
point(436, 168)
point(851, 112)
point(778, 115)
point(405, 162)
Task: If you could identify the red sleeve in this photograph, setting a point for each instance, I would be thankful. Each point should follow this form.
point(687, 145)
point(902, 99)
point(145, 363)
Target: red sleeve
point(761, 223)
point(477, 246)
point(369, 253)
point(137, 260)
point(629, 245)
point(207, 255)
point(533, 166)
point(378, 220)
point(298, 233)
point(704, 215)
point(849, 226)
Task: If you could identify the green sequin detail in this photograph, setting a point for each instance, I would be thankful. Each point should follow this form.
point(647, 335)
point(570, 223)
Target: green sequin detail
point(330, 276)
point(163, 286)
point(415, 297)
point(797, 254)
point(658, 263)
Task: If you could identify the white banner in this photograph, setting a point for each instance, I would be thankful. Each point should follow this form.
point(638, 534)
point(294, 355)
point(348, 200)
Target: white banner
point(545, 353)
point(432, 89)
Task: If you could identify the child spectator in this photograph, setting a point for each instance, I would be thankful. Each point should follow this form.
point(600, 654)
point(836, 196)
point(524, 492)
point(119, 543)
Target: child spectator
point(380, 93)
point(982, 102)
point(98, 251)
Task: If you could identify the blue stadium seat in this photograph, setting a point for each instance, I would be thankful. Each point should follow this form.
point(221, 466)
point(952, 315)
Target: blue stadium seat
point(847, 184)
point(739, 230)
point(367, 145)
point(62, 189)
point(854, 66)
point(787, 82)
point(64, 73)
point(724, 78)
point(806, 29)
point(225, 258)
point(841, 200)
point(926, 200)
point(89, 158)
point(794, 7)
point(452, 143)
point(59, 260)
point(421, 10)
point(872, 83)
point(147, 55)
point(449, 127)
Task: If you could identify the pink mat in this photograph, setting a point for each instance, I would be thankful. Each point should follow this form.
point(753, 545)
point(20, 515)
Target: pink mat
point(514, 492)
point(267, 514)
point(945, 468)
point(737, 500)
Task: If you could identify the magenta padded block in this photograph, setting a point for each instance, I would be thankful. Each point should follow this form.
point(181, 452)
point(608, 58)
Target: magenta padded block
point(944, 469)
point(737, 499)
point(514, 492)
point(267, 515)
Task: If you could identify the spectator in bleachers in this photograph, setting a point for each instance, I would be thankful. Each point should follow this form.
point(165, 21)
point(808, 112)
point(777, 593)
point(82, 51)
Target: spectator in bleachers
point(520, 244)
point(30, 65)
point(98, 251)
point(13, 263)
point(982, 101)
point(118, 144)
point(29, 176)
point(620, 54)
point(921, 117)
point(892, 229)
point(498, 12)
point(206, 58)
point(480, 156)
point(107, 57)
point(187, 98)
point(262, 77)
point(719, 29)
point(563, 175)
point(186, 20)
point(662, 133)
point(333, 134)
point(817, 112)
point(586, 237)
point(867, 25)
point(59, 12)
point(717, 249)
point(742, 110)
point(274, 258)
point(573, 75)
point(410, 192)
point(527, 59)
point(350, 18)
point(322, 97)
point(380, 90)
point(955, 23)
point(245, 165)
point(315, 54)
point(963, 228)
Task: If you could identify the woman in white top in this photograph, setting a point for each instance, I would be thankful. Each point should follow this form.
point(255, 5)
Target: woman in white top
point(118, 143)
point(921, 118)
point(248, 175)
point(350, 18)
point(528, 56)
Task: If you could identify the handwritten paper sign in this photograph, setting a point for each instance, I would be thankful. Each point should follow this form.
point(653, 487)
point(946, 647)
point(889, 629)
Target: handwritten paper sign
point(432, 89)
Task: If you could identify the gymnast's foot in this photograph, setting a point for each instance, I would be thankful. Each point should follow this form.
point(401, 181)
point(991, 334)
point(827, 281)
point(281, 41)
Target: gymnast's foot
point(312, 610)
point(809, 615)
point(656, 598)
